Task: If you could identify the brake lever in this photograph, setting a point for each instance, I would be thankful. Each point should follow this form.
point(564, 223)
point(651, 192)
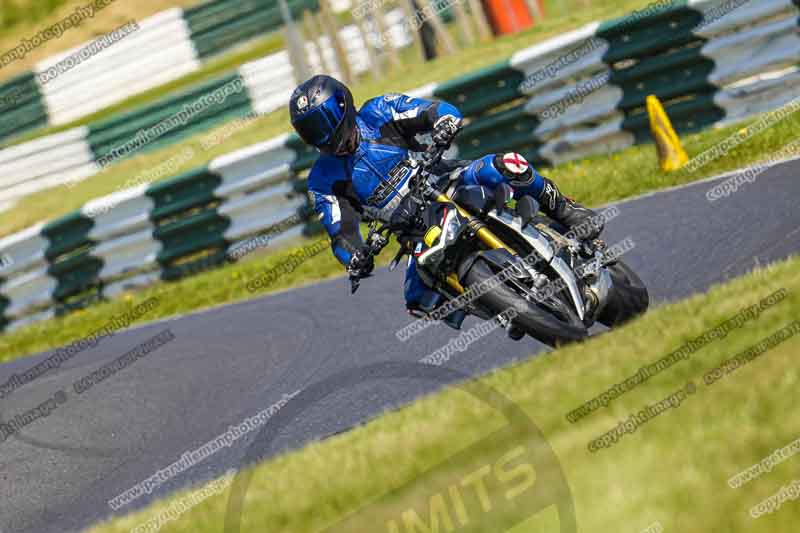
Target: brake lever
point(396, 260)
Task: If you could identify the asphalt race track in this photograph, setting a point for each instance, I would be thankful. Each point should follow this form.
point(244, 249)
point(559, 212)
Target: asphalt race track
point(228, 363)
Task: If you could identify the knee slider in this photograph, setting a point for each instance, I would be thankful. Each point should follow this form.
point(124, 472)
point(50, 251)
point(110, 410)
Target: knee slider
point(514, 168)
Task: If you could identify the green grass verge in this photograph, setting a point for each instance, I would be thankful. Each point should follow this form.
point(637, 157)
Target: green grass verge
point(605, 178)
point(672, 470)
point(48, 204)
point(13, 13)
point(103, 21)
point(594, 181)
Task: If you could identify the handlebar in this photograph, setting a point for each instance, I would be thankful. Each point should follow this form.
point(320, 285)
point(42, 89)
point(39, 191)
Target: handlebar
point(432, 156)
point(430, 159)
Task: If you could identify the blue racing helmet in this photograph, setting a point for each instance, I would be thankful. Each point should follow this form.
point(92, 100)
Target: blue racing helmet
point(323, 114)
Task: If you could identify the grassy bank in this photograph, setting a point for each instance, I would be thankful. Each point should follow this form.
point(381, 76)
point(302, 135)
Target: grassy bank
point(634, 171)
point(674, 469)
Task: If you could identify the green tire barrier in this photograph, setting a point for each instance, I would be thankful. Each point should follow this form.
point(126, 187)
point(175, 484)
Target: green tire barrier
point(71, 263)
point(109, 134)
point(661, 47)
point(184, 236)
point(159, 232)
point(21, 106)
point(217, 26)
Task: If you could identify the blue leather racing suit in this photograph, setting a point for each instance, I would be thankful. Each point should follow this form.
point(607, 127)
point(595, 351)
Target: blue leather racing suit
point(374, 179)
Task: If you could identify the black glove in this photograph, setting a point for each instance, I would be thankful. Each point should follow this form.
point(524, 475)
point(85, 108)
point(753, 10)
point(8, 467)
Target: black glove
point(445, 130)
point(361, 264)
point(377, 243)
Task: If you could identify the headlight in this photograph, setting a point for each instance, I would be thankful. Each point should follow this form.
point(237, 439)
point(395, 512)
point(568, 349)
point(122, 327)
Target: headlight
point(451, 229)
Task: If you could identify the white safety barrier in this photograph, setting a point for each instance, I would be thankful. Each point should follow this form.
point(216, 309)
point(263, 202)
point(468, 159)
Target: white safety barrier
point(160, 51)
point(255, 193)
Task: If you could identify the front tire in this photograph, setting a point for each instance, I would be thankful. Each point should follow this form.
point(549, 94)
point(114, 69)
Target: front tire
point(533, 319)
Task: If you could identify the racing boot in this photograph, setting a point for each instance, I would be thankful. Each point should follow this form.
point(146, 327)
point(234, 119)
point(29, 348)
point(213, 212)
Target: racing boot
point(582, 222)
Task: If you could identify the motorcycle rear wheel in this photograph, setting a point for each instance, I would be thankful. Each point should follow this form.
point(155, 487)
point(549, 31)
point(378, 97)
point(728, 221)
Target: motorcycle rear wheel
point(628, 297)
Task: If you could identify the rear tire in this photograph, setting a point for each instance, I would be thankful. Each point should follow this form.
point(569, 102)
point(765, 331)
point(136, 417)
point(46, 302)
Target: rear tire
point(628, 297)
point(537, 322)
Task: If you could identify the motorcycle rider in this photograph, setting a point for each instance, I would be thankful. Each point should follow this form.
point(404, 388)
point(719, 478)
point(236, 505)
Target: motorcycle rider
point(362, 169)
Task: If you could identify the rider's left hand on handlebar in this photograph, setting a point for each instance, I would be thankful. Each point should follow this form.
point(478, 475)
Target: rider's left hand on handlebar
point(445, 130)
point(377, 243)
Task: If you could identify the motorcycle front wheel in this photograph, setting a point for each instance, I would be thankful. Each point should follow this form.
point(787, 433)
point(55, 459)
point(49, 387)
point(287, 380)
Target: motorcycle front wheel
point(536, 321)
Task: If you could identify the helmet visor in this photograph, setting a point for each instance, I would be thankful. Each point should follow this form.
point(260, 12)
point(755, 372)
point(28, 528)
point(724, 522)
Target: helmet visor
point(318, 125)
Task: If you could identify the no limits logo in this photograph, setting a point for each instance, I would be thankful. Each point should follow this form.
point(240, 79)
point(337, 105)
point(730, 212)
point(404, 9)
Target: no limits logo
point(506, 479)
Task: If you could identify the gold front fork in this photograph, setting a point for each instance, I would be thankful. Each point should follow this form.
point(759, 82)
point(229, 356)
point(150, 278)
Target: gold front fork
point(484, 234)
